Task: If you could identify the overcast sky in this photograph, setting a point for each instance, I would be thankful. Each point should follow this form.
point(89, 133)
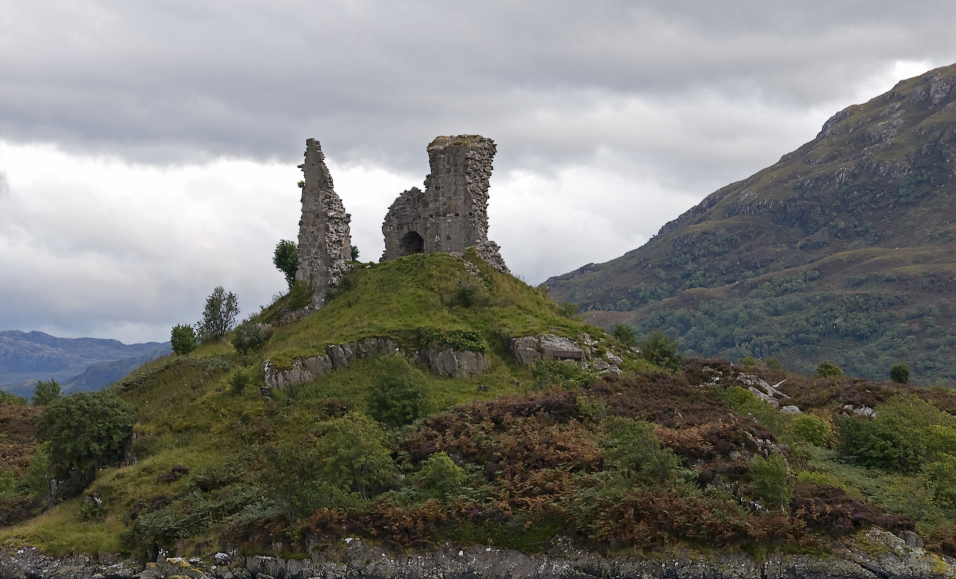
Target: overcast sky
point(148, 150)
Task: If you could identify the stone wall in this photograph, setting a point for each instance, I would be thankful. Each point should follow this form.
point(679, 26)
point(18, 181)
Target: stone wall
point(451, 214)
point(325, 247)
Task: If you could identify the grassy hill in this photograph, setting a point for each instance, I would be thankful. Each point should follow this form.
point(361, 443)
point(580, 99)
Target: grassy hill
point(649, 461)
point(845, 249)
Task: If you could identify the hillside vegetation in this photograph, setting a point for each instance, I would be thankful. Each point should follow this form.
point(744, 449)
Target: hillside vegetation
point(844, 250)
point(648, 461)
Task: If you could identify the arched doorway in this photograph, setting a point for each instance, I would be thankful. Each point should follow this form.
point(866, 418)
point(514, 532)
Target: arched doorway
point(411, 243)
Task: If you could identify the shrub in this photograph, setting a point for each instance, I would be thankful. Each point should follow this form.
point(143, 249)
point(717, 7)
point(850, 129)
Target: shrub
point(355, 455)
point(900, 373)
point(397, 396)
point(286, 260)
point(440, 477)
point(239, 381)
point(749, 361)
point(905, 432)
point(86, 431)
point(300, 295)
point(461, 340)
point(12, 399)
point(567, 375)
point(828, 369)
point(470, 293)
point(251, 336)
point(632, 448)
point(812, 429)
point(219, 315)
point(773, 363)
point(570, 310)
point(661, 350)
point(624, 334)
point(943, 474)
point(38, 472)
point(771, 479)
point(183, 339)
point(46, 391)
point(355, 253)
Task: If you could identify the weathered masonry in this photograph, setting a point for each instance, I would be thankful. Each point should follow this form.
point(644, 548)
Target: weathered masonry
point(325, 247)
point(451, 215)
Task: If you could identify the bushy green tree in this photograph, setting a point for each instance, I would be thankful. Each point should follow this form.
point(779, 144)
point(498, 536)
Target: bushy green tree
point(355, 455)
point(662, 350)
point(900, 373)
point(771, 479)
point(828, 369)
point(906, 432)
point(219, 315)
point(183, 339)
point(397, 395)
point(440, 477)
point(355, 253)
point(86, 431)
point(632, 448)
point(624, 334)
point(46, 391)
point(286, 260)
point(813, 429)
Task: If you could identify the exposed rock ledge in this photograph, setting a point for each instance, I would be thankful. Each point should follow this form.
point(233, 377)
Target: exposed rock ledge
point(357, 560)
point(444, 362)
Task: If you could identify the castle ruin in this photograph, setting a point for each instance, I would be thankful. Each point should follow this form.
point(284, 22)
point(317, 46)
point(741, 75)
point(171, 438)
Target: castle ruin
point(325, 247)
point(451, 215)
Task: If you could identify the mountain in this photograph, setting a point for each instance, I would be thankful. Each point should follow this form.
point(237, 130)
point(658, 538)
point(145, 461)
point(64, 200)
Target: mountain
point(844, 250)
point(29, 356)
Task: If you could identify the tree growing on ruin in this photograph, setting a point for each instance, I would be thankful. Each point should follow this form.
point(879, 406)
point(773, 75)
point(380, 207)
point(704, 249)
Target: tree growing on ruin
point(286, 260)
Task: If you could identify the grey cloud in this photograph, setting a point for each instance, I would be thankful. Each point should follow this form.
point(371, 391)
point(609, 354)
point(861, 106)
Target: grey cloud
point(177, 82)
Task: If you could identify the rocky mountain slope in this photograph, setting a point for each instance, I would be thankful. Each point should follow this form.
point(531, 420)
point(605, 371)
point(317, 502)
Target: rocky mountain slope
point(845, 249)
point(29, 356)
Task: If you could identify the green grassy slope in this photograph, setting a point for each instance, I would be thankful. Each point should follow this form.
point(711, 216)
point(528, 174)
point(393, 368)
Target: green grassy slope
point(863, 215)
point(647, 462)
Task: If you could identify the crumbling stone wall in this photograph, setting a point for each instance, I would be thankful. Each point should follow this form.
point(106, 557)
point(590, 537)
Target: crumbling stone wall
point(451, 214)
point(325, 247)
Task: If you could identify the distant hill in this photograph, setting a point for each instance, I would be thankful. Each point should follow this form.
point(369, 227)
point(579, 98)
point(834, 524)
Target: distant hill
point(79, 364)
point(843, 250)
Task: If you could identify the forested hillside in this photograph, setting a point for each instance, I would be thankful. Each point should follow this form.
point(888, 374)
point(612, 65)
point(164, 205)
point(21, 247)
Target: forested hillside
point(844, 250)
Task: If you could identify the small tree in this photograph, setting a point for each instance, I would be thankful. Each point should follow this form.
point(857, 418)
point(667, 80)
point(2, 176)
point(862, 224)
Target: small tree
point(661, 350)
point(46, 391)
point(828, 369)
point(286, 259)
point(183, 339)
point(355, 253)
point(624, 334)
point(86, 431)
point(219, 315)
point(396, 397)
point(355, 454)
point(900, 373)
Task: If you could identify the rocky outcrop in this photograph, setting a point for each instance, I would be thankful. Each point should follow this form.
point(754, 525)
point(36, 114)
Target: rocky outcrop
point(888, 557)
point(335, 357)
point(453, 363)
point(451, 214)
point(441, 361)
point(325, 247)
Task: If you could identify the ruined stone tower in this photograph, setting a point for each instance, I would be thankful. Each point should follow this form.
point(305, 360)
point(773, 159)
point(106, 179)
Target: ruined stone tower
point(324, 244)
point(452, 213)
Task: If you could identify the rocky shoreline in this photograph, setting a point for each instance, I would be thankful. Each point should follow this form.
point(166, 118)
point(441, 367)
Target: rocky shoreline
point(886, 557)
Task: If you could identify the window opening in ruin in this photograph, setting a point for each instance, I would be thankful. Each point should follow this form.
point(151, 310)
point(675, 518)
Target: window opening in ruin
point(412, 243)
